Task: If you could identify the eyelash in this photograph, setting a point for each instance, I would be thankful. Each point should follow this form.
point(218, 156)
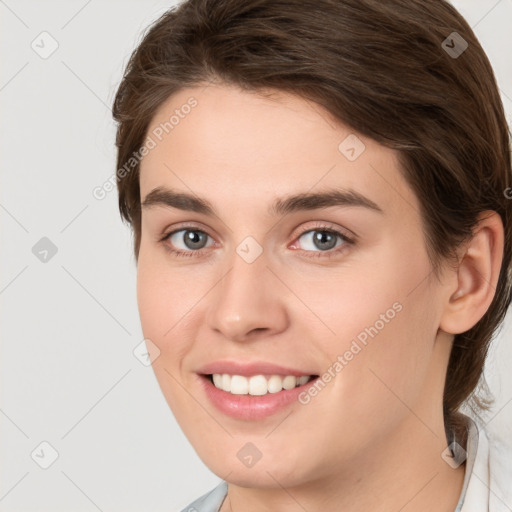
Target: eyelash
point(322, 254)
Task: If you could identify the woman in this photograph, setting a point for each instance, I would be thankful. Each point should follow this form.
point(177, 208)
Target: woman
point(318, 195)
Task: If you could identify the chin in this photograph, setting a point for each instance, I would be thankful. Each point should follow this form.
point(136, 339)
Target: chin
point(267, 472)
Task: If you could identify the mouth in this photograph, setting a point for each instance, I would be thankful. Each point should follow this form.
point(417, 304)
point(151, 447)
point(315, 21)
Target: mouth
point(257, 385)
point(254, 397)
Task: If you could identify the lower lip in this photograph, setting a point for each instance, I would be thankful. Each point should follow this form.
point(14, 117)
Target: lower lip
point(251, 407)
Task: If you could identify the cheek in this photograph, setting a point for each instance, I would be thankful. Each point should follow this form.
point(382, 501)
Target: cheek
point(162, 302)
point(383, 380)
point(163, 306)
point(382, 322)
point(171, 303)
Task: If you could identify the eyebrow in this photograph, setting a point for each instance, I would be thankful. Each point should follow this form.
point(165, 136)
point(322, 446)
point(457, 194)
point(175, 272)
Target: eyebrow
point(162, 196)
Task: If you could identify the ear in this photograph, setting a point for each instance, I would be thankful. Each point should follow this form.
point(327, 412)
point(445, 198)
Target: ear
point(477, 274)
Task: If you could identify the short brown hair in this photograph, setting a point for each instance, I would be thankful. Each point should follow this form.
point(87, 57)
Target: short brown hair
point(380, 67)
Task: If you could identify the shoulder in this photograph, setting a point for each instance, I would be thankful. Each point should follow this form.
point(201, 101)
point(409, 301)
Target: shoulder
point(210, 501)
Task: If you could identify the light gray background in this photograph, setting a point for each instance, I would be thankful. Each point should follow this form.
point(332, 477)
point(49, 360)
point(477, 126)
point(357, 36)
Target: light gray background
point(69, 325)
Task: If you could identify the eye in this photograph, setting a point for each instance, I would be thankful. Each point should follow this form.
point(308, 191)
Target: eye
point(185, 242)
point(321, 241)
point(324, 240)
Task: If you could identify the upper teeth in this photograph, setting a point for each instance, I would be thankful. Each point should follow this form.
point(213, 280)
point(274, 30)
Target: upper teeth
point(257, 384)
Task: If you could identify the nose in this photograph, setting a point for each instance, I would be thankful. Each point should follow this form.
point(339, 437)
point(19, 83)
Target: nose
point(248, 302)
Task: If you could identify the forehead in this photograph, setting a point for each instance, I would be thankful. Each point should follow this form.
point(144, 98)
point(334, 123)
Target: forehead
point(228, 124)
point(226, 143)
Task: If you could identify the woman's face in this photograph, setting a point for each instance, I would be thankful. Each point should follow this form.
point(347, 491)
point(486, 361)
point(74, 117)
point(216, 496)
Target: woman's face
point(337, 286)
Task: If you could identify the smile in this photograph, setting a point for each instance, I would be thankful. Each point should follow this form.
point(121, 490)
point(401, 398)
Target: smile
point(257, 385)
point(255, 397)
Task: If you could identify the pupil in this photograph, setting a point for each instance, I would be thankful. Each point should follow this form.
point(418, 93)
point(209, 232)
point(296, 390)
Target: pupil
point(193, 239)
point(322, 237)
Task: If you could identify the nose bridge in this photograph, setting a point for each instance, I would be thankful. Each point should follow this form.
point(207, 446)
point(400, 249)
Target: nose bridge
point(245, 298)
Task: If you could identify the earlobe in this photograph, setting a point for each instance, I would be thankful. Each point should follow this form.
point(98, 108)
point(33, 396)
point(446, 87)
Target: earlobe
point(477, 276)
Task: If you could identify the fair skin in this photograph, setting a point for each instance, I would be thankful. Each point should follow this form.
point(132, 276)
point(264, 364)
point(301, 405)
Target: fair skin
point(372, 438)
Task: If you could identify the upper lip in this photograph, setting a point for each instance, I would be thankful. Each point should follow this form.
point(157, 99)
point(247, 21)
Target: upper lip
point(248, 369)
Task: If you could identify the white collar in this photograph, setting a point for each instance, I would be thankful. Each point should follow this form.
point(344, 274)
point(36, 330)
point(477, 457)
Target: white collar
point(488, 480)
